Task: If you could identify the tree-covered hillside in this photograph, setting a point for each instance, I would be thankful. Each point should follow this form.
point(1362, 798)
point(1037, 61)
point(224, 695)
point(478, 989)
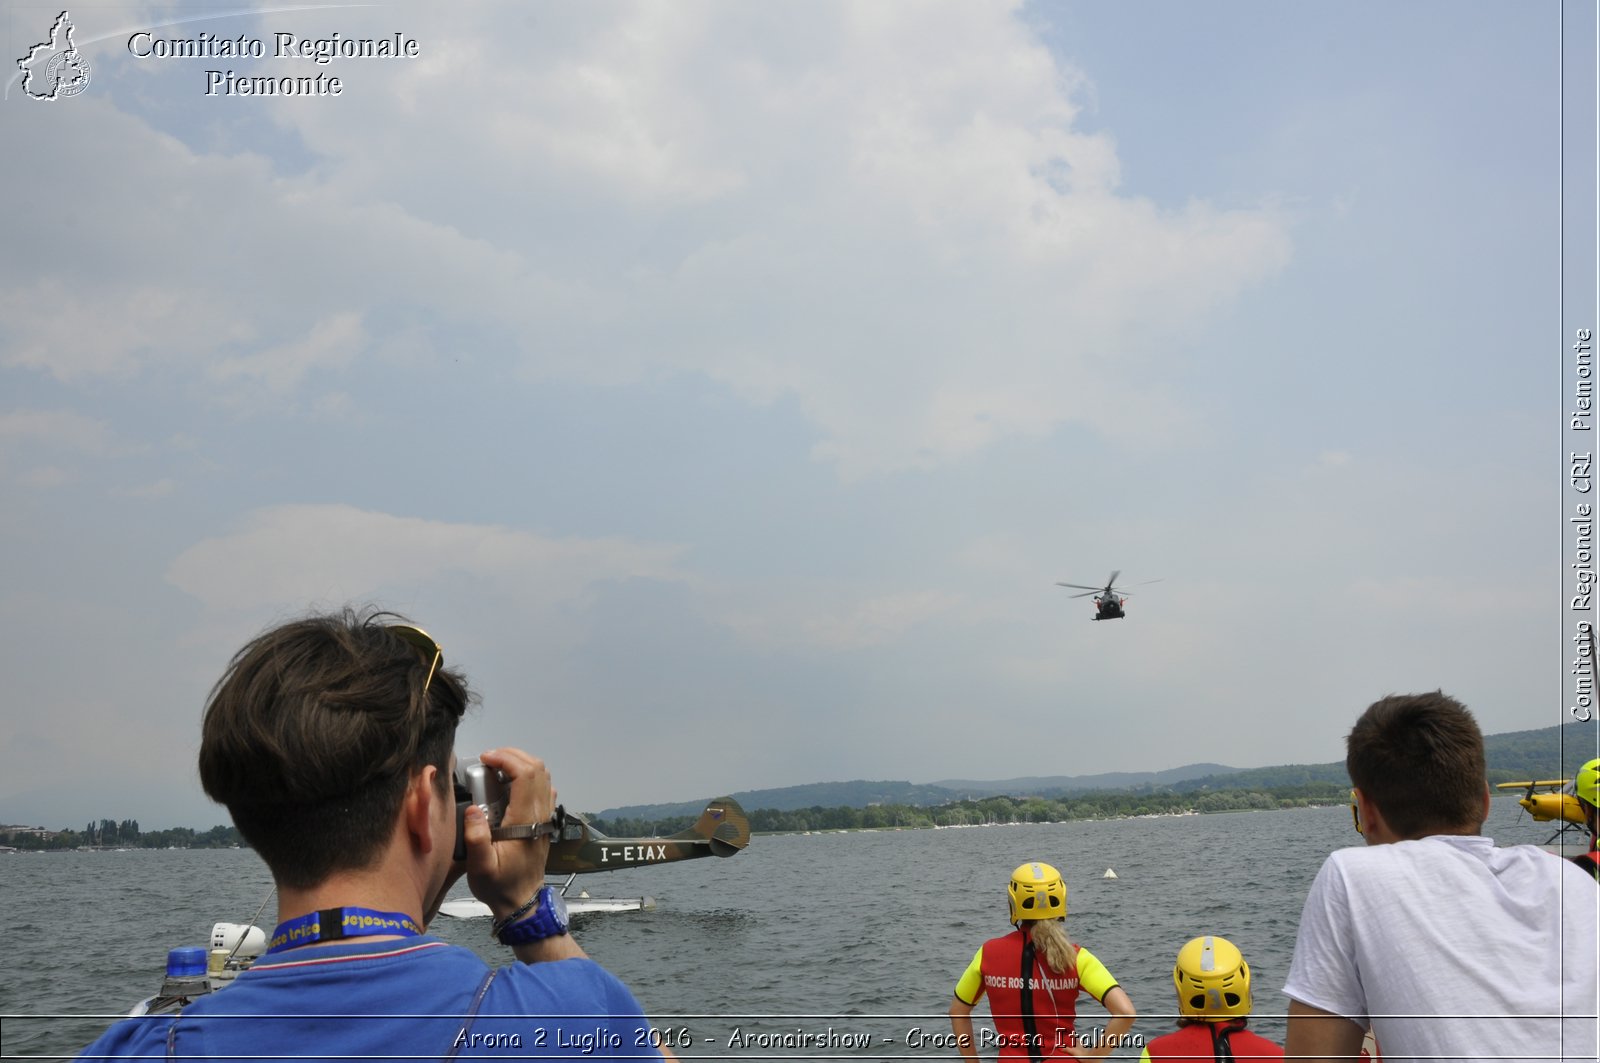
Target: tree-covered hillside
point(1547, 753)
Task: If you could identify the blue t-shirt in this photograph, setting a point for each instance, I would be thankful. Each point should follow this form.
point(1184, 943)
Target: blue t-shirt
point(410, 998)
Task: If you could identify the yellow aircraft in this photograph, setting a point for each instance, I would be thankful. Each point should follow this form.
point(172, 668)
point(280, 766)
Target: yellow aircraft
point(1557, 802)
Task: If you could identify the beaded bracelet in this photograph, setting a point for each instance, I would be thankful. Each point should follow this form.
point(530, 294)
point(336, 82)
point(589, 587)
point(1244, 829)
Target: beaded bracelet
point(501, 924)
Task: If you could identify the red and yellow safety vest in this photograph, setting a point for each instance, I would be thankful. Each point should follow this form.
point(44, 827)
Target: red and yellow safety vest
point(996, 970)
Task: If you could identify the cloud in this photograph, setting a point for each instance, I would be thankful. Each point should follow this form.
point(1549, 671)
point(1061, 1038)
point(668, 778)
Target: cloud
point(864, 623)
point(287, 556)
point(47, 476)
point(159, 489)
point(109, 329)
point(336, 341)
point(887, 215)
point(187, 279)
point(46, 437)
point(56, 429)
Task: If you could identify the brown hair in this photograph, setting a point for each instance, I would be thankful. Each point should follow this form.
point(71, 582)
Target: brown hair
point(1419, 758)
point(312, 735)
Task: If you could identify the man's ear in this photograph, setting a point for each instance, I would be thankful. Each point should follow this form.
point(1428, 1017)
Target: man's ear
point(419, 807)
point(1373, 826)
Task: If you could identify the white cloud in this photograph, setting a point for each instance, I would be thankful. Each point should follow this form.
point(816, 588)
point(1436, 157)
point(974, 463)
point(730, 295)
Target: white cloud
point(287, 556)
point(46, 437)
point(57, 429)
point(878, 621)
point(841, 622)
point(159, 489)
point(47, 476)
point(886, 213)
point(334, 341)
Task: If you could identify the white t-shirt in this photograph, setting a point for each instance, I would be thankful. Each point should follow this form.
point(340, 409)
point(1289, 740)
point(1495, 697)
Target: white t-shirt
point(1451, 948)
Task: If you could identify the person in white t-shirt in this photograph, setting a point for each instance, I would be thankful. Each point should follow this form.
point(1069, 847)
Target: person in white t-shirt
point(1444, 945)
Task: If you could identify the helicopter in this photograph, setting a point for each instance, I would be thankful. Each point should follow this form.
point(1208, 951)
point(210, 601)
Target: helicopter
point(576, 849)
point(1108, 600)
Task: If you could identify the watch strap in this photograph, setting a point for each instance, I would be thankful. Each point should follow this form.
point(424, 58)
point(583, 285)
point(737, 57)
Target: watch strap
point(546, 920)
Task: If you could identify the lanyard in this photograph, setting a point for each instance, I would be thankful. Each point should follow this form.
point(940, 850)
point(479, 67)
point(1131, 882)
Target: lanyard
point(333, 924)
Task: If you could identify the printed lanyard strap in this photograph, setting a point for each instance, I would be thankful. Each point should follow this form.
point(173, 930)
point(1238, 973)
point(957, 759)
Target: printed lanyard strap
point(335, 924)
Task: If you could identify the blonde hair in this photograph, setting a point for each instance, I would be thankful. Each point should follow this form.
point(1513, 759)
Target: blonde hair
point(1050, 943)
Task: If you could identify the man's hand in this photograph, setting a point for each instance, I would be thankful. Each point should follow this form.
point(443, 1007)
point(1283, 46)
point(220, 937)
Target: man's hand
point(506, 874)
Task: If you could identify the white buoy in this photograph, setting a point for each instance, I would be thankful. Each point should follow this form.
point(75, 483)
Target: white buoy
point(1109, 874)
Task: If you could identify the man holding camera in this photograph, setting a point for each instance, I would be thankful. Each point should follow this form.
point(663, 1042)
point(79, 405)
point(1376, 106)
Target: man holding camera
point(330, 740)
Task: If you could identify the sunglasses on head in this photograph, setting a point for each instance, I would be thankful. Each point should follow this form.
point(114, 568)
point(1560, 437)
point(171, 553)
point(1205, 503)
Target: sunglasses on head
point(424, 643)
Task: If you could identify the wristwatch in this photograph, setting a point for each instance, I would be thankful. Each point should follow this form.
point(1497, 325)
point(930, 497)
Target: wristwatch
point(548, 919)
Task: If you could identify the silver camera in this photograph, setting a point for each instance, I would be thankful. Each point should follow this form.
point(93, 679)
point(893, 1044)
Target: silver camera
point(478, 784)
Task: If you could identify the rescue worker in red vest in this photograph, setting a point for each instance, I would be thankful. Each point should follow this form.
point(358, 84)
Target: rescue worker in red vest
point(1033, 976)
point(1213, 984)
point(1586, 786)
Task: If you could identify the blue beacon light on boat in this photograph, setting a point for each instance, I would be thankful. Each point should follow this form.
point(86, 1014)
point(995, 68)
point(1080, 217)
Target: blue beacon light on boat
point(189, 961)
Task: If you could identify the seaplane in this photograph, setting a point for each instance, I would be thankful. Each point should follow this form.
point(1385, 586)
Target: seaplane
point(576, 848)
point(1556, 802)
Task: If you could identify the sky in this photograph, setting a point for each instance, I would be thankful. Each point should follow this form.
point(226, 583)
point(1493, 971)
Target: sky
point(727, 386)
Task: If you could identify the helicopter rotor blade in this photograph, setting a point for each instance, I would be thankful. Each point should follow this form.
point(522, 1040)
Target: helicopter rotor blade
point(1079, 586)
point(1085, 594)
point(1114, 574)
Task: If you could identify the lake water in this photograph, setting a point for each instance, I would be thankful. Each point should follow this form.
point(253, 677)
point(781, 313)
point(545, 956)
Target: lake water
point(864, 933)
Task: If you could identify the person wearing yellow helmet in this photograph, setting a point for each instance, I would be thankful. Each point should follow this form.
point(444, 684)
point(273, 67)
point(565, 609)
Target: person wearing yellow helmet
point(1586, 787)
point(1033, 976)
point(1213, 984)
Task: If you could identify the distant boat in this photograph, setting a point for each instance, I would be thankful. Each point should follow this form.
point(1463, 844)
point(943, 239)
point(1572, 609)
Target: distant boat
point(1109, 874)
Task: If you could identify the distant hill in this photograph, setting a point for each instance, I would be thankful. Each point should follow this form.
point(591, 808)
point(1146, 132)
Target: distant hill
point(1049, 785)
point(1514, 755)
point(1548, 753)
point(861, 793)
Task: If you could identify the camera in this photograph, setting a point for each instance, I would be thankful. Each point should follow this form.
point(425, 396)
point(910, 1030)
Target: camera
point(478, 784)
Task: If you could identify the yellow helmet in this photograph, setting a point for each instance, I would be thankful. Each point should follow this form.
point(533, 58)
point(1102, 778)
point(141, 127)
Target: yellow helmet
point(1587, 784)
point(1212, 980)
point(1037, 892)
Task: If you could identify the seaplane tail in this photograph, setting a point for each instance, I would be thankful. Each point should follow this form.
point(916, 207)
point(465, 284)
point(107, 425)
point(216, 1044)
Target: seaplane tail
point(723, 826)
